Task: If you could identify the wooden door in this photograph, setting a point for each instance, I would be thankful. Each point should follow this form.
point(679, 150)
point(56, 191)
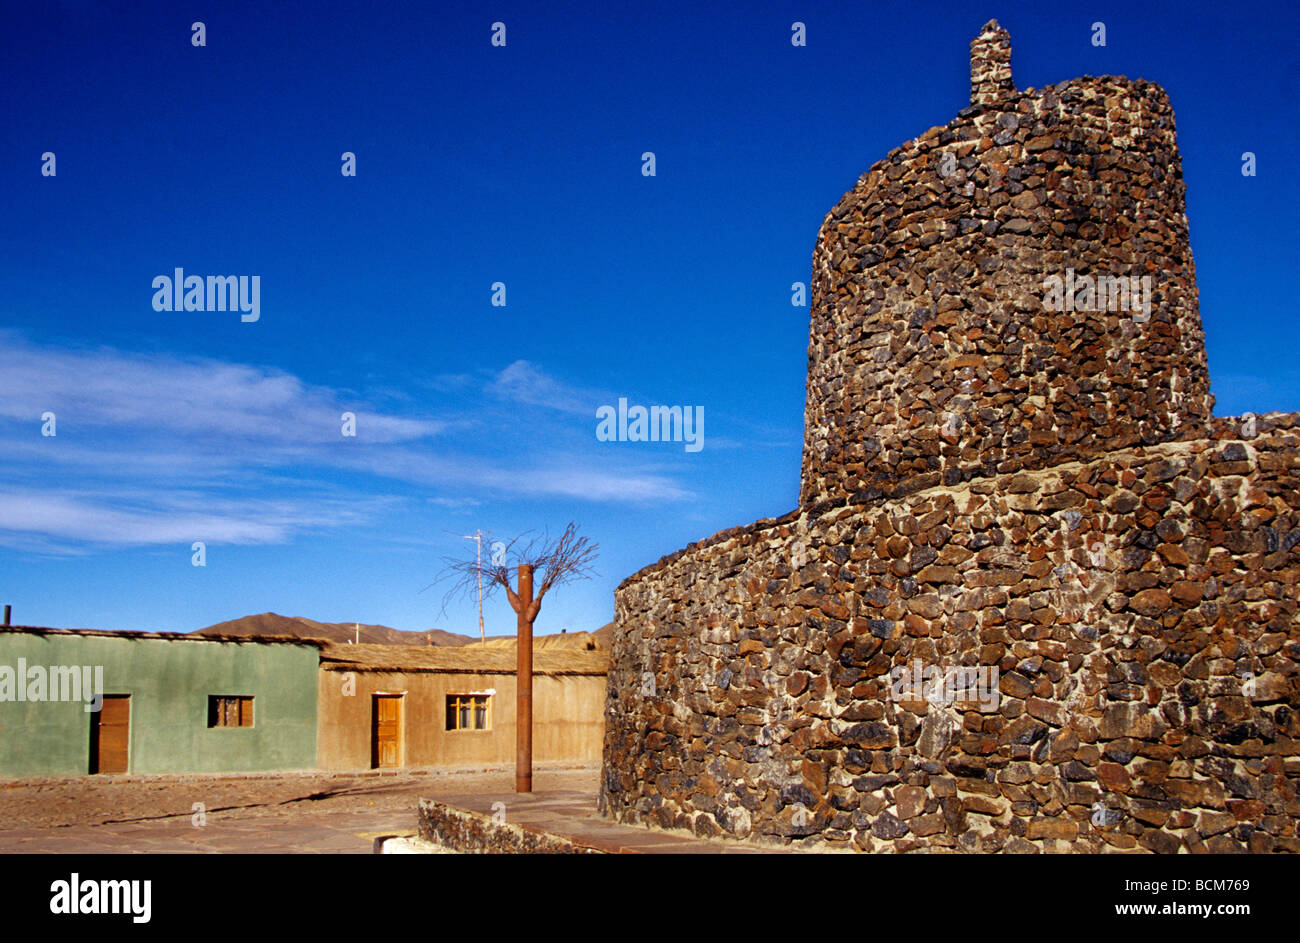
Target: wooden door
point(110, 735)
point(387, 739)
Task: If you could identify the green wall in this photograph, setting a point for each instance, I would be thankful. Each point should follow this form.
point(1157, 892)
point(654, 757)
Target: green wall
point(169, 683)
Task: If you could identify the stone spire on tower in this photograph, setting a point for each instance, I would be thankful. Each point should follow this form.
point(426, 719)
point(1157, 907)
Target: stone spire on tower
point(990, 65)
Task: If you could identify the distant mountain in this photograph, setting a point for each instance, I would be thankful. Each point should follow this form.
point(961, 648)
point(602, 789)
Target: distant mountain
point(271, 623)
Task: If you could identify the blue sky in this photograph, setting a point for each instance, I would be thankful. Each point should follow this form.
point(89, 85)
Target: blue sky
point(479, 164)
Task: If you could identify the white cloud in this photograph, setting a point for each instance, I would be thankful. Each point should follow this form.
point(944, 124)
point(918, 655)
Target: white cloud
point(194, 396)
point(155, 449)
point(521, 382)
point(74, 517)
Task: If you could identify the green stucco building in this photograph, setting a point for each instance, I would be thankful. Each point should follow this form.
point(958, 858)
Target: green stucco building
point(170, 703)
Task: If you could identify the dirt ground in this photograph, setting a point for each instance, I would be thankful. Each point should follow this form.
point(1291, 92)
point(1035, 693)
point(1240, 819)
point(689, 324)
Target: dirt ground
point(282, 813)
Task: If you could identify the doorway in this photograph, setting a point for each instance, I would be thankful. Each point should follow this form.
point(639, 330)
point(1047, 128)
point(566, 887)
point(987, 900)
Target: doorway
point(386, 742)
point(110, 735)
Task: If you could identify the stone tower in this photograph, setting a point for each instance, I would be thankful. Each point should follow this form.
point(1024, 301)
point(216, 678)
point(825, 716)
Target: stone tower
point(933, 356)
point(1034, 597)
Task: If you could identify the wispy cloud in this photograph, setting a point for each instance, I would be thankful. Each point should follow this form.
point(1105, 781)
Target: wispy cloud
point(59, 520)
point(155, 448)
point(523, 382)
point(191, 396)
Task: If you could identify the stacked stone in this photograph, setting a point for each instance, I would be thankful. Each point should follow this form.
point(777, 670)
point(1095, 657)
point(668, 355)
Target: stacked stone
point(932, 357)
point(991, 486)
point(473, 833)
point(1141, 611)
point(990, 65)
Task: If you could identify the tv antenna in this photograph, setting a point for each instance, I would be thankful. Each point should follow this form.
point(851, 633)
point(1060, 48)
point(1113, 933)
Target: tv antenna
point(477, 537)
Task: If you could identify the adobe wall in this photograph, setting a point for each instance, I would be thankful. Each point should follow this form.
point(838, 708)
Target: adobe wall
point(567, 718)
point(169, 681)
point(1127, 602)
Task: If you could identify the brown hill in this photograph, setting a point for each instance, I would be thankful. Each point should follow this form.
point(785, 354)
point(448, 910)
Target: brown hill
point(271, 623)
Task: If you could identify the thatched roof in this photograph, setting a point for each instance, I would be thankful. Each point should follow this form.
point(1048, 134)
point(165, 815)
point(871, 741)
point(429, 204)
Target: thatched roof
point(471, 659)
point(573, 641)
point(163, 636)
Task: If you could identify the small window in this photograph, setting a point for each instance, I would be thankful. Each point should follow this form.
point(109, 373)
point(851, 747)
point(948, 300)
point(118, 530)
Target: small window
point(228, 711)
point(469, 711)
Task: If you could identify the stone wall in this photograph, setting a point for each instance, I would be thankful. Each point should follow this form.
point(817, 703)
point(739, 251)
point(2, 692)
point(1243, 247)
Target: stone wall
point(932, 358)
point(474, 833)
point(1035, 597)
point(1140, 608)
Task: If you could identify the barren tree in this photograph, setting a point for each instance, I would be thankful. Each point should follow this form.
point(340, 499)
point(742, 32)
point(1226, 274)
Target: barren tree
point(564, 560)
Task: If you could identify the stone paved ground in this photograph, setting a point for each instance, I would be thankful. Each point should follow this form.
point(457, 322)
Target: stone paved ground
point(278, 813)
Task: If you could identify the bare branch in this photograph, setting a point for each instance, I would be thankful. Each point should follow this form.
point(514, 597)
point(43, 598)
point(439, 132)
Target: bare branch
point(565, 560)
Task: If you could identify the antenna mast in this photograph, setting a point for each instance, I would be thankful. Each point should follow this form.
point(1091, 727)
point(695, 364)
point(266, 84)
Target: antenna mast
point(478, 574)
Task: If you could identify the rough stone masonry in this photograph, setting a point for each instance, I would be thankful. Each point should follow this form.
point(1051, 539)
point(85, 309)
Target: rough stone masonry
point(989, 483)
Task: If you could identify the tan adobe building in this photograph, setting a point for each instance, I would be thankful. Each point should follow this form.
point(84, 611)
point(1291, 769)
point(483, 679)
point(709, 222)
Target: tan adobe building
point(405, 706)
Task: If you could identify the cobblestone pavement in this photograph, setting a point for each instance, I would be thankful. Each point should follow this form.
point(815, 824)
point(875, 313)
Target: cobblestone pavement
point(280, 813)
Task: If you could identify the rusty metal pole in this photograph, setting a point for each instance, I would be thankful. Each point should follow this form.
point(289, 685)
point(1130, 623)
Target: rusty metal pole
point(524, 686)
